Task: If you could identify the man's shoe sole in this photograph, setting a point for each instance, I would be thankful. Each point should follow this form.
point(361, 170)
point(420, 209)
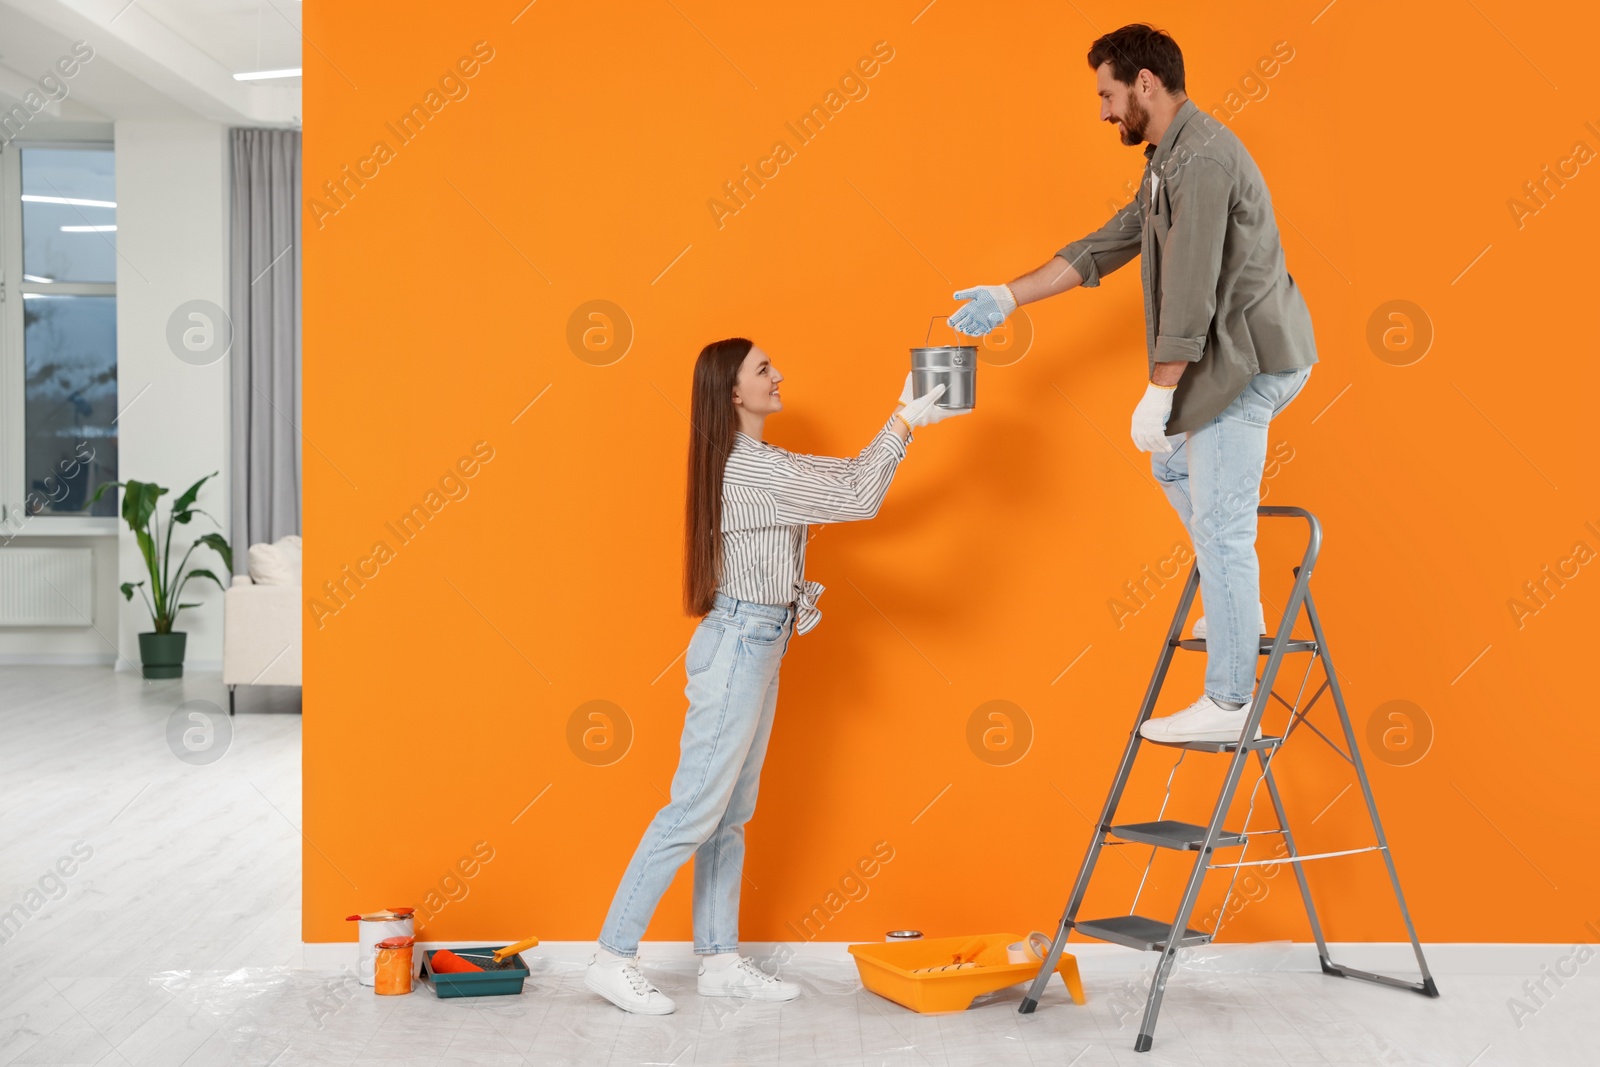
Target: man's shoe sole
point(1215, 736)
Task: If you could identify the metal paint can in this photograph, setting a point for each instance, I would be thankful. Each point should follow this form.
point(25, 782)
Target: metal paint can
point(374, 927)
point(955, 366)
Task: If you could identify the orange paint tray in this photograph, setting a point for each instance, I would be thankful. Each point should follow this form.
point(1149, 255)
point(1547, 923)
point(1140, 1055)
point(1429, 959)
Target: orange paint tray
point(887, 969)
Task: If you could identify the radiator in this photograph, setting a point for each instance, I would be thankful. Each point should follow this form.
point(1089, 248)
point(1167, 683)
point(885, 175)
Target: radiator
point(46, 586)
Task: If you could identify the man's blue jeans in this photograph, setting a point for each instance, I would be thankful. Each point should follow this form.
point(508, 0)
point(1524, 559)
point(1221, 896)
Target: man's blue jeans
point(732, 663)
point(1212, 477)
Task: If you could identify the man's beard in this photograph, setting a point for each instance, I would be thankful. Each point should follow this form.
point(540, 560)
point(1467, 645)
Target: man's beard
point(1135, 122)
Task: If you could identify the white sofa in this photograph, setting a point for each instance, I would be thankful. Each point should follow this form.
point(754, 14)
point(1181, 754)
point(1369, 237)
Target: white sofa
point(261, 619)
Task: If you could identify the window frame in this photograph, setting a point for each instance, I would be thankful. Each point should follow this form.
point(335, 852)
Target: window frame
point(14, 520)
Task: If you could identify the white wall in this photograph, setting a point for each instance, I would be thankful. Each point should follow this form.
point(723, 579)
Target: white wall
point(172, 245)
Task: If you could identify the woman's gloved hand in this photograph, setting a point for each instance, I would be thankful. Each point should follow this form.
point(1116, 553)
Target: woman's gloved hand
point(924, 410)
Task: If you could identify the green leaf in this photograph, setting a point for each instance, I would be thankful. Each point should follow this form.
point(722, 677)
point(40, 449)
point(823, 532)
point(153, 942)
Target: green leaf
point(98, 493)
point(221, 546)
point(139, 503)
point(128, 588)
point(158, 586)
point(189, 605)
point(147, 549)
point(201, 572)
point(181, 504)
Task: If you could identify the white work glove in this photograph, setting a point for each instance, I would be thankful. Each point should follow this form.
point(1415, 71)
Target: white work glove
point(924, 409)
point(1150, 419)
point(935, 413)
point(987, 307)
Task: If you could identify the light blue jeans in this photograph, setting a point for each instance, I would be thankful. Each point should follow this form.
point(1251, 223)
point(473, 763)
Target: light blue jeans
point(1212, 477)
point(732, 663)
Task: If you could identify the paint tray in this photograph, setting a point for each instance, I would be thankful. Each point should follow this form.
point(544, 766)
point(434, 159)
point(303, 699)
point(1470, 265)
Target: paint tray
point(505, 981)
point(889, 969)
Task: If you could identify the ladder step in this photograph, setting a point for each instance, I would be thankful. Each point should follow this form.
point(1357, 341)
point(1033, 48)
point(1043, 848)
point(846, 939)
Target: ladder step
point(1169, 833)
point(1217, 746)
point(1198, 644)
point(1135, 931)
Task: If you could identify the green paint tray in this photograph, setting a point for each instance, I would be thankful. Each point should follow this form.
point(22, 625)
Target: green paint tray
point(504, 982)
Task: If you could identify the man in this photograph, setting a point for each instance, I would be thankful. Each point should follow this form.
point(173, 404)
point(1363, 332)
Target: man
point(1227, 334)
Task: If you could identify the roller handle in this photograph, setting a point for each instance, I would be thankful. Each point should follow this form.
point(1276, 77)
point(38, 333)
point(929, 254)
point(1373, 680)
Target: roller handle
point(511, 950)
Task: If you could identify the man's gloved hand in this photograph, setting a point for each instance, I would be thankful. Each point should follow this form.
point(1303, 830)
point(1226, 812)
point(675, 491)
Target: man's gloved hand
point(924, 409)
point(987, 307)
point(1150, 418)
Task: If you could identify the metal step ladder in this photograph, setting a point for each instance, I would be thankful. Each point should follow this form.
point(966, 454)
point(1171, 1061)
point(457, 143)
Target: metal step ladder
point(1205, 842)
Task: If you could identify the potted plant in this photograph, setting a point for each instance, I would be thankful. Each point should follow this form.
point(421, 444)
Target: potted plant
point(161, 650)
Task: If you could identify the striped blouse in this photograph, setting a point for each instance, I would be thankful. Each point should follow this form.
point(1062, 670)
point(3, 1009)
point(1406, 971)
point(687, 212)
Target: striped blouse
point(769, 494)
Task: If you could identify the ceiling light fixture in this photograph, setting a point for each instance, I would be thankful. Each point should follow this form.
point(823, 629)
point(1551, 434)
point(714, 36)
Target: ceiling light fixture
point(74, 201)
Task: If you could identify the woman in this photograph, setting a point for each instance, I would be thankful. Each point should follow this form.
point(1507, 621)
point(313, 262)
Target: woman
point(748, 507)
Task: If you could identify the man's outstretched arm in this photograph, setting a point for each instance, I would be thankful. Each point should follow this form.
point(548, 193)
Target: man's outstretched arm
point(1080, 263)
point(1056, 276)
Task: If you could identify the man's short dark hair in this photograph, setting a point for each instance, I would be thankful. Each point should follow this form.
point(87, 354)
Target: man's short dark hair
point(1137, 47)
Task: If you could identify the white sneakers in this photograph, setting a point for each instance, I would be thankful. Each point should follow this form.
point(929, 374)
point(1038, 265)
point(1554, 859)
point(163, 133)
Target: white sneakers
point(1203, 720)
point(1199, 631)
point(742, 977)
point(620, 981)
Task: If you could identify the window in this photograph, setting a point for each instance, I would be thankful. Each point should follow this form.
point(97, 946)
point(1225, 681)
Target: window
point(58, 258)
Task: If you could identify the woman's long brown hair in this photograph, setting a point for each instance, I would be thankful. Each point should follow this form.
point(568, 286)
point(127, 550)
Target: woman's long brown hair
point(712, 424)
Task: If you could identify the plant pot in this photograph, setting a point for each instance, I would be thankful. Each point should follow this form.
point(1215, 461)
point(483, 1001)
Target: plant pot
point(162, 654)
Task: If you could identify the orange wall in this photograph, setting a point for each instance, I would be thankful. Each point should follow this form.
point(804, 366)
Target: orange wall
point(578, 166)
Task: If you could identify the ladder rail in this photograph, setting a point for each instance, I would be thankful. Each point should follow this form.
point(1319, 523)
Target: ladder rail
point(1241, 754)
point(1314, 536)
point(1294, 853)
point(1427, 986)
point(1114, 796)
point(1282, 829)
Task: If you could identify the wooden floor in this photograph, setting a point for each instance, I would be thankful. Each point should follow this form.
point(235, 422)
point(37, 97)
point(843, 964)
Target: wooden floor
point(174, 939)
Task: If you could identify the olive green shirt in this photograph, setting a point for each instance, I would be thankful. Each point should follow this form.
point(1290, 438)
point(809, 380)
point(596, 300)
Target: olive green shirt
point(1216, 291)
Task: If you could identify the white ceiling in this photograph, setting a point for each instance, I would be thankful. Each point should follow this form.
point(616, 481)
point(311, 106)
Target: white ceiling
point(156, 58)
point(241, 35)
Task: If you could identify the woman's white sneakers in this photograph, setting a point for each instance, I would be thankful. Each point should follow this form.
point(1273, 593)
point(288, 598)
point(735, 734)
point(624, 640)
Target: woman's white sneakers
point(621, 981)
point(744, 978)
point(1203, 720)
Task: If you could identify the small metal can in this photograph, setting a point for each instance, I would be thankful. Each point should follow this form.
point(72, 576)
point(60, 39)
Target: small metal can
point(953, 366)
point(903, 935)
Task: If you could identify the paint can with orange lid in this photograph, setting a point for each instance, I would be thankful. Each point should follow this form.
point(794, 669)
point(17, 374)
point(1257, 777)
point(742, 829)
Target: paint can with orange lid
point(374, 927)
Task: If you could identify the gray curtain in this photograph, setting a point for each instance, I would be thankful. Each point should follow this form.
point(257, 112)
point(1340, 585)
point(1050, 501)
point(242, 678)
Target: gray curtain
point(264, 261)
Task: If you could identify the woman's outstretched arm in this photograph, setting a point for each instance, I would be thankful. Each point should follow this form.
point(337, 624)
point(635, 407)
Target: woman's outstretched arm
point(805, 489)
